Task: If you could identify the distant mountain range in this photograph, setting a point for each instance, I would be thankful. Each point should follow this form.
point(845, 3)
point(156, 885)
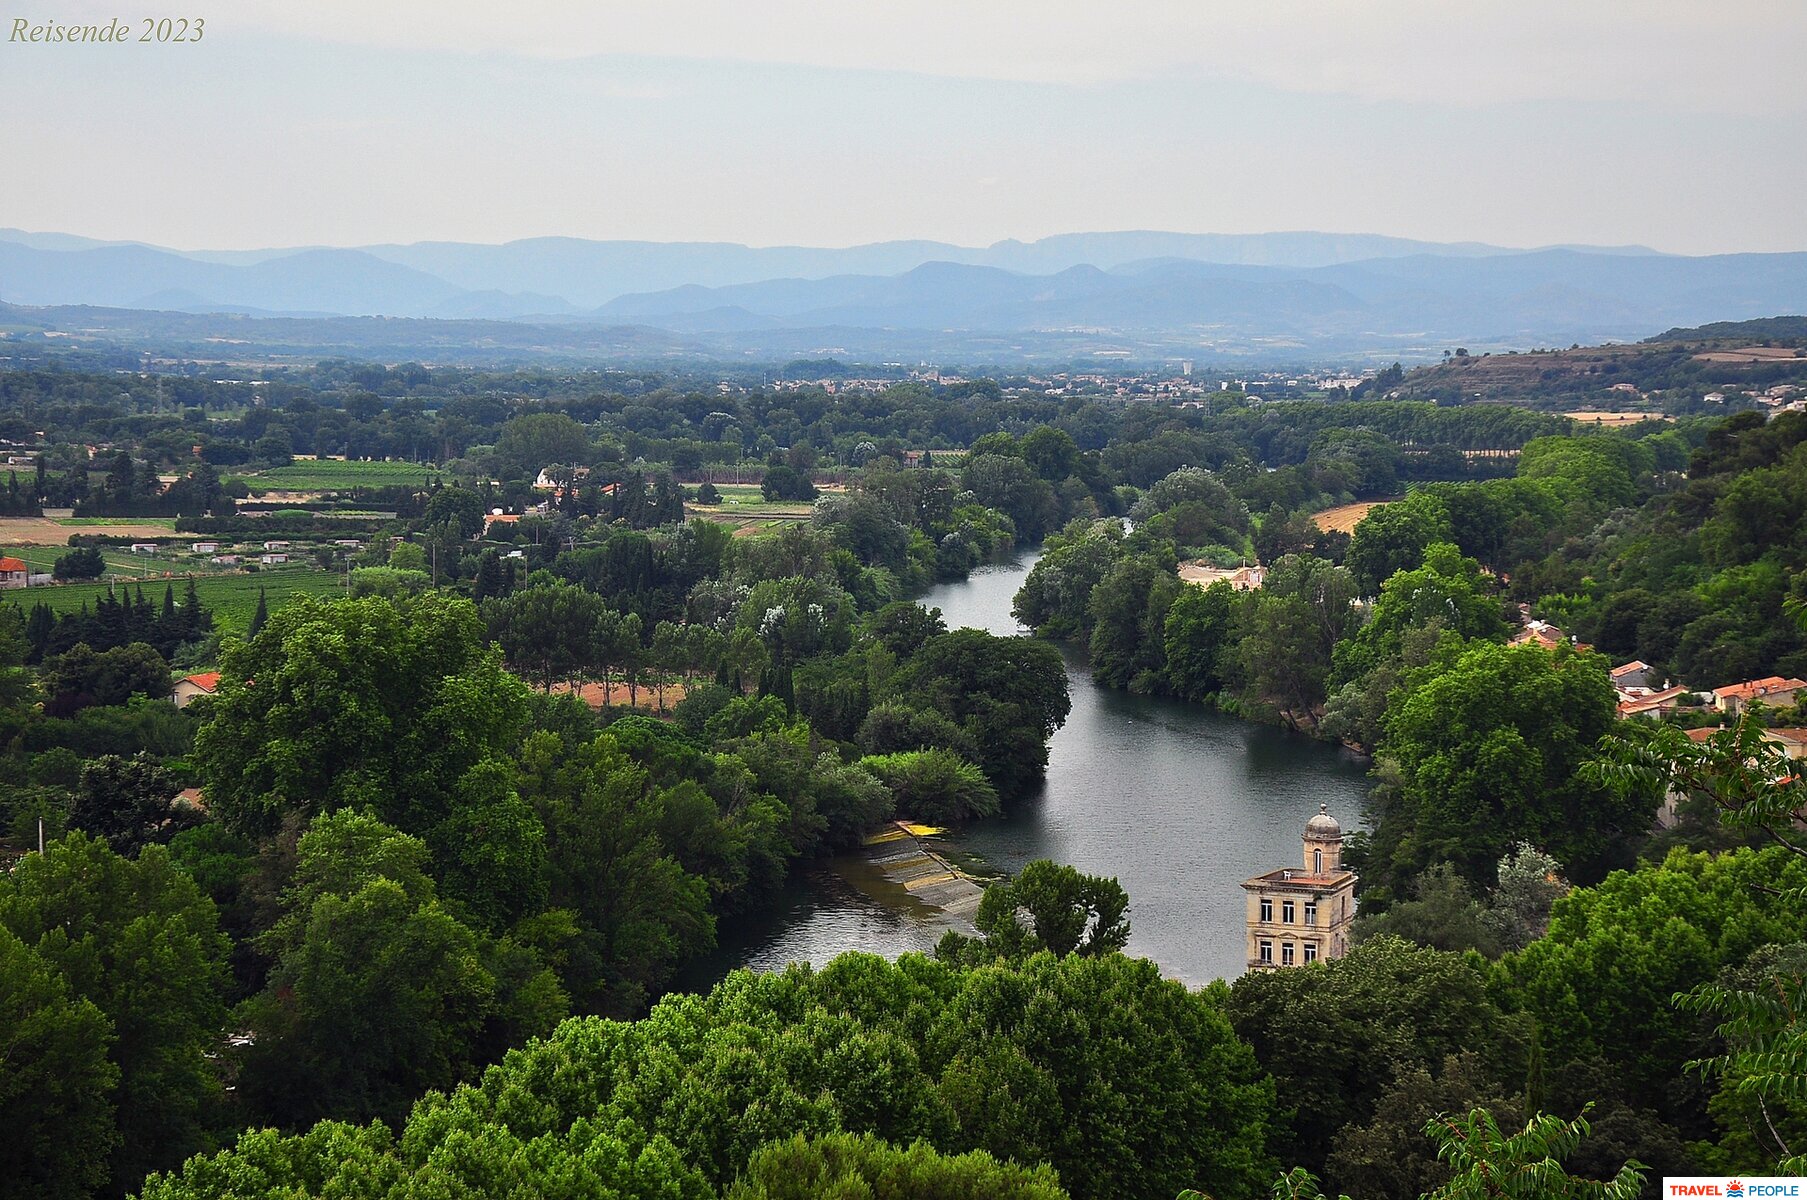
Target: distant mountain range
point(1298, 293)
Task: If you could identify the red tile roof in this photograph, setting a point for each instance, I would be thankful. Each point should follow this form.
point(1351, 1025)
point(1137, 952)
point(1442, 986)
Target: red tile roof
point(207, 681)
point(1758, 688)
point(12, 564)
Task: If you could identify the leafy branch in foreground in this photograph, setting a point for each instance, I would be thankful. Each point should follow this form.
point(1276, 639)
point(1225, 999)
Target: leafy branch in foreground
point(1490, 1164)
point(1766, 1055)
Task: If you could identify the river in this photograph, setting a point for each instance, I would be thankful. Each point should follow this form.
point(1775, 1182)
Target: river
point(1178, 803)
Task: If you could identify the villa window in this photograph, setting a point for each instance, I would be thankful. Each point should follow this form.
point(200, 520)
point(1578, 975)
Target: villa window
point(1311, 952)
point(1311, 912)
point(1267, 909)
point(1286, 912)
point(1286, 954)
point(1317, 862)
point(1266, 954)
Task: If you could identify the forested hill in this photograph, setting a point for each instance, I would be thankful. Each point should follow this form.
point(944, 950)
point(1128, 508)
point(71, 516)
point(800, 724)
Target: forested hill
point(1782, 331)
point(1671, 374)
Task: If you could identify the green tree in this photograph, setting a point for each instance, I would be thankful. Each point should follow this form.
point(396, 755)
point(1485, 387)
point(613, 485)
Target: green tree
point(383, 996)
point(1200, 640)
point(82, 677)
point(1488, 754)
point(842, 1164)
point(56, 1093)
point(357, 703)
point(1290, 631)
point(128, 801)
point(459, 507)
point(1447, 589)
point(139, 940)
point(534, 442)
point(934, 785)
point(1393, 538)
point(640, 912)
point(83, 562)
point(1338, 1034)
point(1050, 906)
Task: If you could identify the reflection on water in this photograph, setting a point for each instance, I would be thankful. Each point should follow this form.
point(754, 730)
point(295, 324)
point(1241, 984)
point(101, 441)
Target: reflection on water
point(1180, 804)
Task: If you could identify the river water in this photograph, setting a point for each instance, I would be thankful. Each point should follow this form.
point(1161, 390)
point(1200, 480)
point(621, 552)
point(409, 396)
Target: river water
point(1178, 803)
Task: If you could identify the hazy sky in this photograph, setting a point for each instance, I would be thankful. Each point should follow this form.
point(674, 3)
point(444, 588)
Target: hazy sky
point(1681, 125)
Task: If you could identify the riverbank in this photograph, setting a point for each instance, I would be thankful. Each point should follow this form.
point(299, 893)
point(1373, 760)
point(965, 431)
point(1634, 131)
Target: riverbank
point(1178, 802)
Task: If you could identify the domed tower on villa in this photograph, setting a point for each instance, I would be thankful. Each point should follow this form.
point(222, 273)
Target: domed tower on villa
point(1297, 915)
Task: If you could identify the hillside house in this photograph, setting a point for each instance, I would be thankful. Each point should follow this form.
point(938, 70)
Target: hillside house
point(204, 548)
point(143, 547)
point(1773, 691)
point(1634, 674)
point(1242, 579)
point(190, 688)
point(14, 573)
point(1542, 633)
point(272, 560)
point(1643, 702)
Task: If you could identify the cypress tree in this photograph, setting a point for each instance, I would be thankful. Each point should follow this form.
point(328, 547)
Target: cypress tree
point(261, 615)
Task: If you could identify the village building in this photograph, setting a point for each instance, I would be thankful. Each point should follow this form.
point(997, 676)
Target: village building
point(1634, 674)
point(1298, 915)
point(1642, 702)
point(190, 688)
point(14, 573)
point(1773, 691)
point(1243, 579)
point(1542, 633)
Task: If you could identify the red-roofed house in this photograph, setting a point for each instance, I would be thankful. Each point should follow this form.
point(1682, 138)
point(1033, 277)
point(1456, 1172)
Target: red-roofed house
point(1651, 704)
point(1774, 691)
point(14, 573)
point(190, 688)
point(1793, 741)
point(1542, 633)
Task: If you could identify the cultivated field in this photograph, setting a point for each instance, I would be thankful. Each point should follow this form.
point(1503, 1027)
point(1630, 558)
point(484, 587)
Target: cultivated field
point(233, 598)
point(1345, 517)
point(332, 475)
point(1611, 420)
point(1750, 354)
point(47, 531)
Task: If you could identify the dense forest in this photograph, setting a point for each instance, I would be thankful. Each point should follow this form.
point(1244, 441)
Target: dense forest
point(393, 912)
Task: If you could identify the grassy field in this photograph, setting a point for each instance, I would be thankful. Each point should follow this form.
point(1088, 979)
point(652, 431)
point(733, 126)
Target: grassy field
point(138, 566)
point(329, 475)
point(233, 598)
point(746, 500)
